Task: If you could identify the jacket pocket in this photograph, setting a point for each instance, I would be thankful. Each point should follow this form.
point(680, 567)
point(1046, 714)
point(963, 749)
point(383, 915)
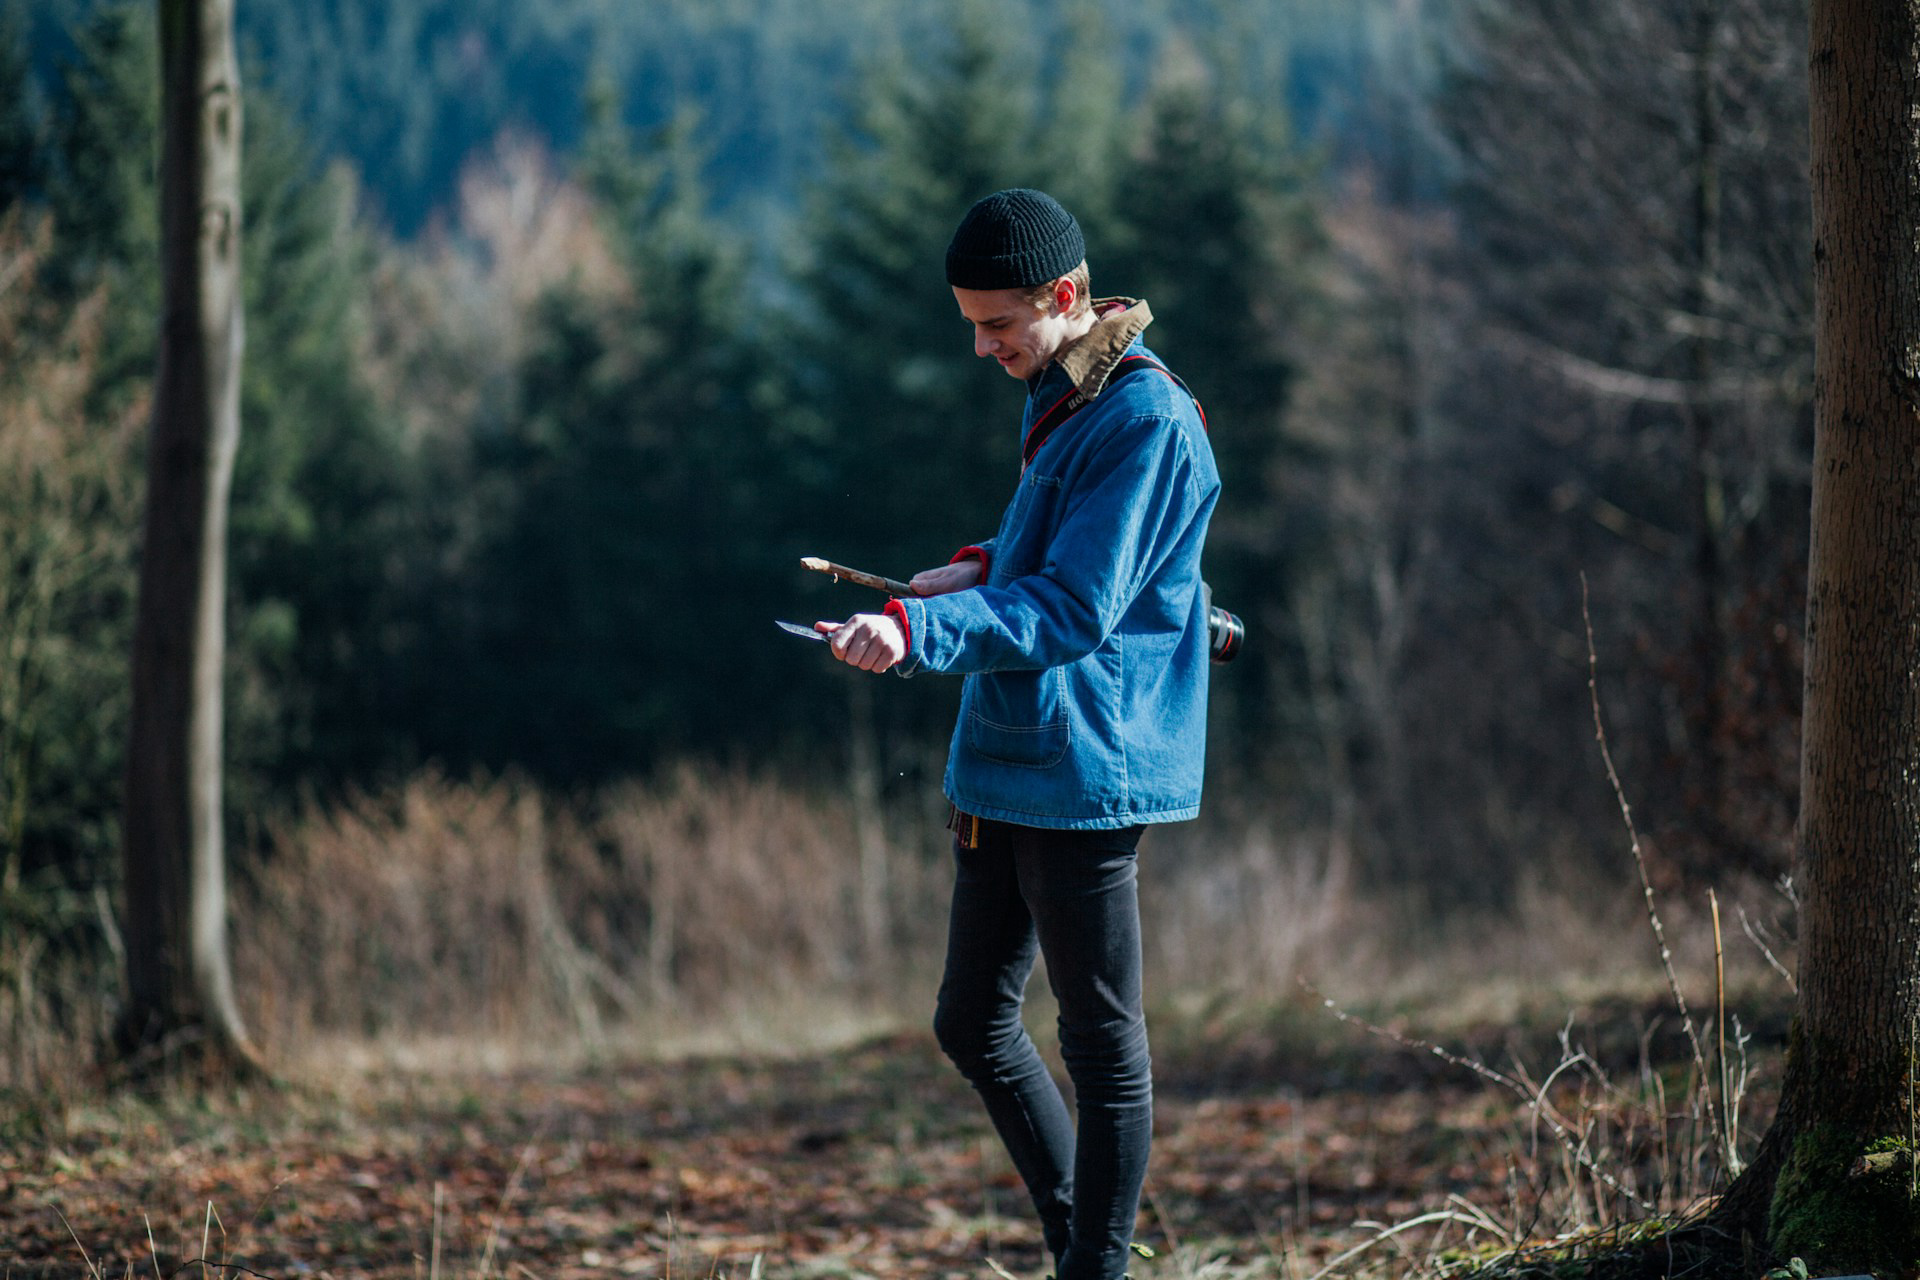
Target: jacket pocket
point(1028, 526)
point(1020, 718)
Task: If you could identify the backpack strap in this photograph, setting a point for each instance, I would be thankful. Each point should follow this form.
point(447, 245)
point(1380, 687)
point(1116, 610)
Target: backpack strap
point(1076, 400)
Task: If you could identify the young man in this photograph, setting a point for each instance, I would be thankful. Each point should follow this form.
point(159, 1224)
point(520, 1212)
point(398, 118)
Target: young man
point(1082, 631)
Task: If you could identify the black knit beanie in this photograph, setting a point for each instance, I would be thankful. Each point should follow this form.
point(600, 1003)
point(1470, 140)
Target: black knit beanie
point(1014, 239)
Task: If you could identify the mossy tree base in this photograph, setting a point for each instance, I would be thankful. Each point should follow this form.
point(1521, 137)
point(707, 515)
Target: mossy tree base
point(1847, 1206)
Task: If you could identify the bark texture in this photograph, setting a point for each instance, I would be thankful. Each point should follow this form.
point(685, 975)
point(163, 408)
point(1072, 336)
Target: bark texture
point(1848, 1083)
point(179, 979)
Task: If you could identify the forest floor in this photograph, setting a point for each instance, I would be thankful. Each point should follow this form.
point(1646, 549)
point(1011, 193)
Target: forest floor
point(1277, 1144)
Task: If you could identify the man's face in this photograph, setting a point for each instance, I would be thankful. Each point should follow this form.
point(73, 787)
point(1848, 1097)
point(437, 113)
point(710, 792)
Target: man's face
point(1006, 326)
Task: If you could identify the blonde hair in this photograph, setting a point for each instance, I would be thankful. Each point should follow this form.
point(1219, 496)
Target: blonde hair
point(1041, 295)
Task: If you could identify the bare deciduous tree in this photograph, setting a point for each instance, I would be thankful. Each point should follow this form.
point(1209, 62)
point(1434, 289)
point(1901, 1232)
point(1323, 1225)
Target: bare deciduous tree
point(1628, 401)
point(180, 984)
point(1832, 1182)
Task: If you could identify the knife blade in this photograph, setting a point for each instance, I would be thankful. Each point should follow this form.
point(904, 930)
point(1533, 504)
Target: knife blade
point(797, 629)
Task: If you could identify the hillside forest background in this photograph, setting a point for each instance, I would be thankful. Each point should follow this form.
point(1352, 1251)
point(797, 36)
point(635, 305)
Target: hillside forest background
point(573, 326)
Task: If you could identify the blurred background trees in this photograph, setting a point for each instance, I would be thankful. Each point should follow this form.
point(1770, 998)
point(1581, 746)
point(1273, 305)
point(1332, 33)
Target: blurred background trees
point(573, 326)
point(1633, 217)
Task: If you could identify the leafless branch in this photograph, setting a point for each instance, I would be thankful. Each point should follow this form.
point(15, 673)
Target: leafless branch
point(1639, 858)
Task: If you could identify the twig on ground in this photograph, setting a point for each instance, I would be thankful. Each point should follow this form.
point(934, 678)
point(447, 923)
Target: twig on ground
point(93, 1270)
point(152, 1248)
point(506, 1198)
point(213, 1219)
point(1166, 1227)
point(1535, 1099)
point(433, 1246)
point(266, 1201)
point(204, 1263)
point(1621, 1241)
point(1385, 1234)
point(1486, 1220)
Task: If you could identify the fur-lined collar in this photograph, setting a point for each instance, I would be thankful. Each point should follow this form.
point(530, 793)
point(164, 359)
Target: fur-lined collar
point(1091, 360)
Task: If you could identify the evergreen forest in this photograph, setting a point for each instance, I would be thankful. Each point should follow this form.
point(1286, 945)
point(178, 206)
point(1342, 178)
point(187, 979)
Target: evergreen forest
point(573, 326)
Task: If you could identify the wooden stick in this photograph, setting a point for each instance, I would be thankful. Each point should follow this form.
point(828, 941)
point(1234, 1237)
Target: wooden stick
point(891, 586)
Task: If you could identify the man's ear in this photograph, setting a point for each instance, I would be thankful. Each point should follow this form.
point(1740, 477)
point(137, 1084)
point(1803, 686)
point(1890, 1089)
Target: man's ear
point(1065, 294)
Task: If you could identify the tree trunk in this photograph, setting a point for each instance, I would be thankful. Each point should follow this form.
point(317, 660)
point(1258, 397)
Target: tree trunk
point(1848, 1083)
point(179, 981)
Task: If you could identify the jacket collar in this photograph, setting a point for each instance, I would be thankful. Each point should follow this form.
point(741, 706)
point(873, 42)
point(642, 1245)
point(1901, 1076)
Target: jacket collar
point(1091, 360)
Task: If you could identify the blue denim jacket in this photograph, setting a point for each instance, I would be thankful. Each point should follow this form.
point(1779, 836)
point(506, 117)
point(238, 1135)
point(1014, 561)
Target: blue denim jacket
point(1085, 649)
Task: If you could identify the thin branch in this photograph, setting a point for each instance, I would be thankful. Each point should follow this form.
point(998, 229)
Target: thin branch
point(1388, 1233)
point(95, 1271)
point(152, 1248)
point(1747, 927)
point(1640, 860)
point(1537, 1100)
point(1615, 383)
point(1729, 1111)
point(506, 1198)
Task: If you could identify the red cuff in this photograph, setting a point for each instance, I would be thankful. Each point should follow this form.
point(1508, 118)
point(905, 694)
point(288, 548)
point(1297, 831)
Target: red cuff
point(898, 612)
point(975, 553)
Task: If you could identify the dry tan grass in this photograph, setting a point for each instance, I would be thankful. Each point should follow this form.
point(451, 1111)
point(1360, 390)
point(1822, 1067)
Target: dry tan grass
point(493, 912)
point(663, 911)
point(450, 923)
point(1247, 915)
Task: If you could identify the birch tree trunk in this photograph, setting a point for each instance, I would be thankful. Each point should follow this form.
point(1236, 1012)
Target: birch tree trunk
point(179, 980)
point(1848, 1085)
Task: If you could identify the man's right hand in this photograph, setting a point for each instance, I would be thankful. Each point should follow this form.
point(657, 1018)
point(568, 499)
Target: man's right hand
point(946, 579)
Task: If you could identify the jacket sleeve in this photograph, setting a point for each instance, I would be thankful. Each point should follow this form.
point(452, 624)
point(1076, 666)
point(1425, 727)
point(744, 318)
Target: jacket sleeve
point(981, 551)
point(1125, 509)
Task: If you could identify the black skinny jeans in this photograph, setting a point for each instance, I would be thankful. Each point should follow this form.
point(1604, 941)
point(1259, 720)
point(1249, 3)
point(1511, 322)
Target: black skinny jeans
point(1069, 895)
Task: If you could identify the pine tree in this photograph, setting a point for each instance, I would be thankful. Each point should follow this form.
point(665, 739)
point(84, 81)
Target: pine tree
point(919, 437)
point(1222, 240)
point(103, 190)
point(619, 599)
point(21, 113)
point(326, 537)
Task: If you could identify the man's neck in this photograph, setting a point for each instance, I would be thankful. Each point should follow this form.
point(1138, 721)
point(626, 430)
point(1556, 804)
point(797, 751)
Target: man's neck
point(1079, 327)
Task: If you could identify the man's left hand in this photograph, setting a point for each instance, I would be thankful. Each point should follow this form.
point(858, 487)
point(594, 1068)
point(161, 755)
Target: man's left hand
point(870, 641)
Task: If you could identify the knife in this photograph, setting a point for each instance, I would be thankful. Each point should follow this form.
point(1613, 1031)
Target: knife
point(805, 632)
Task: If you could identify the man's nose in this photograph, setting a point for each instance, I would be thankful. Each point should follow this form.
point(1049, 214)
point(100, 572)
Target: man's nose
point(982, 343)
